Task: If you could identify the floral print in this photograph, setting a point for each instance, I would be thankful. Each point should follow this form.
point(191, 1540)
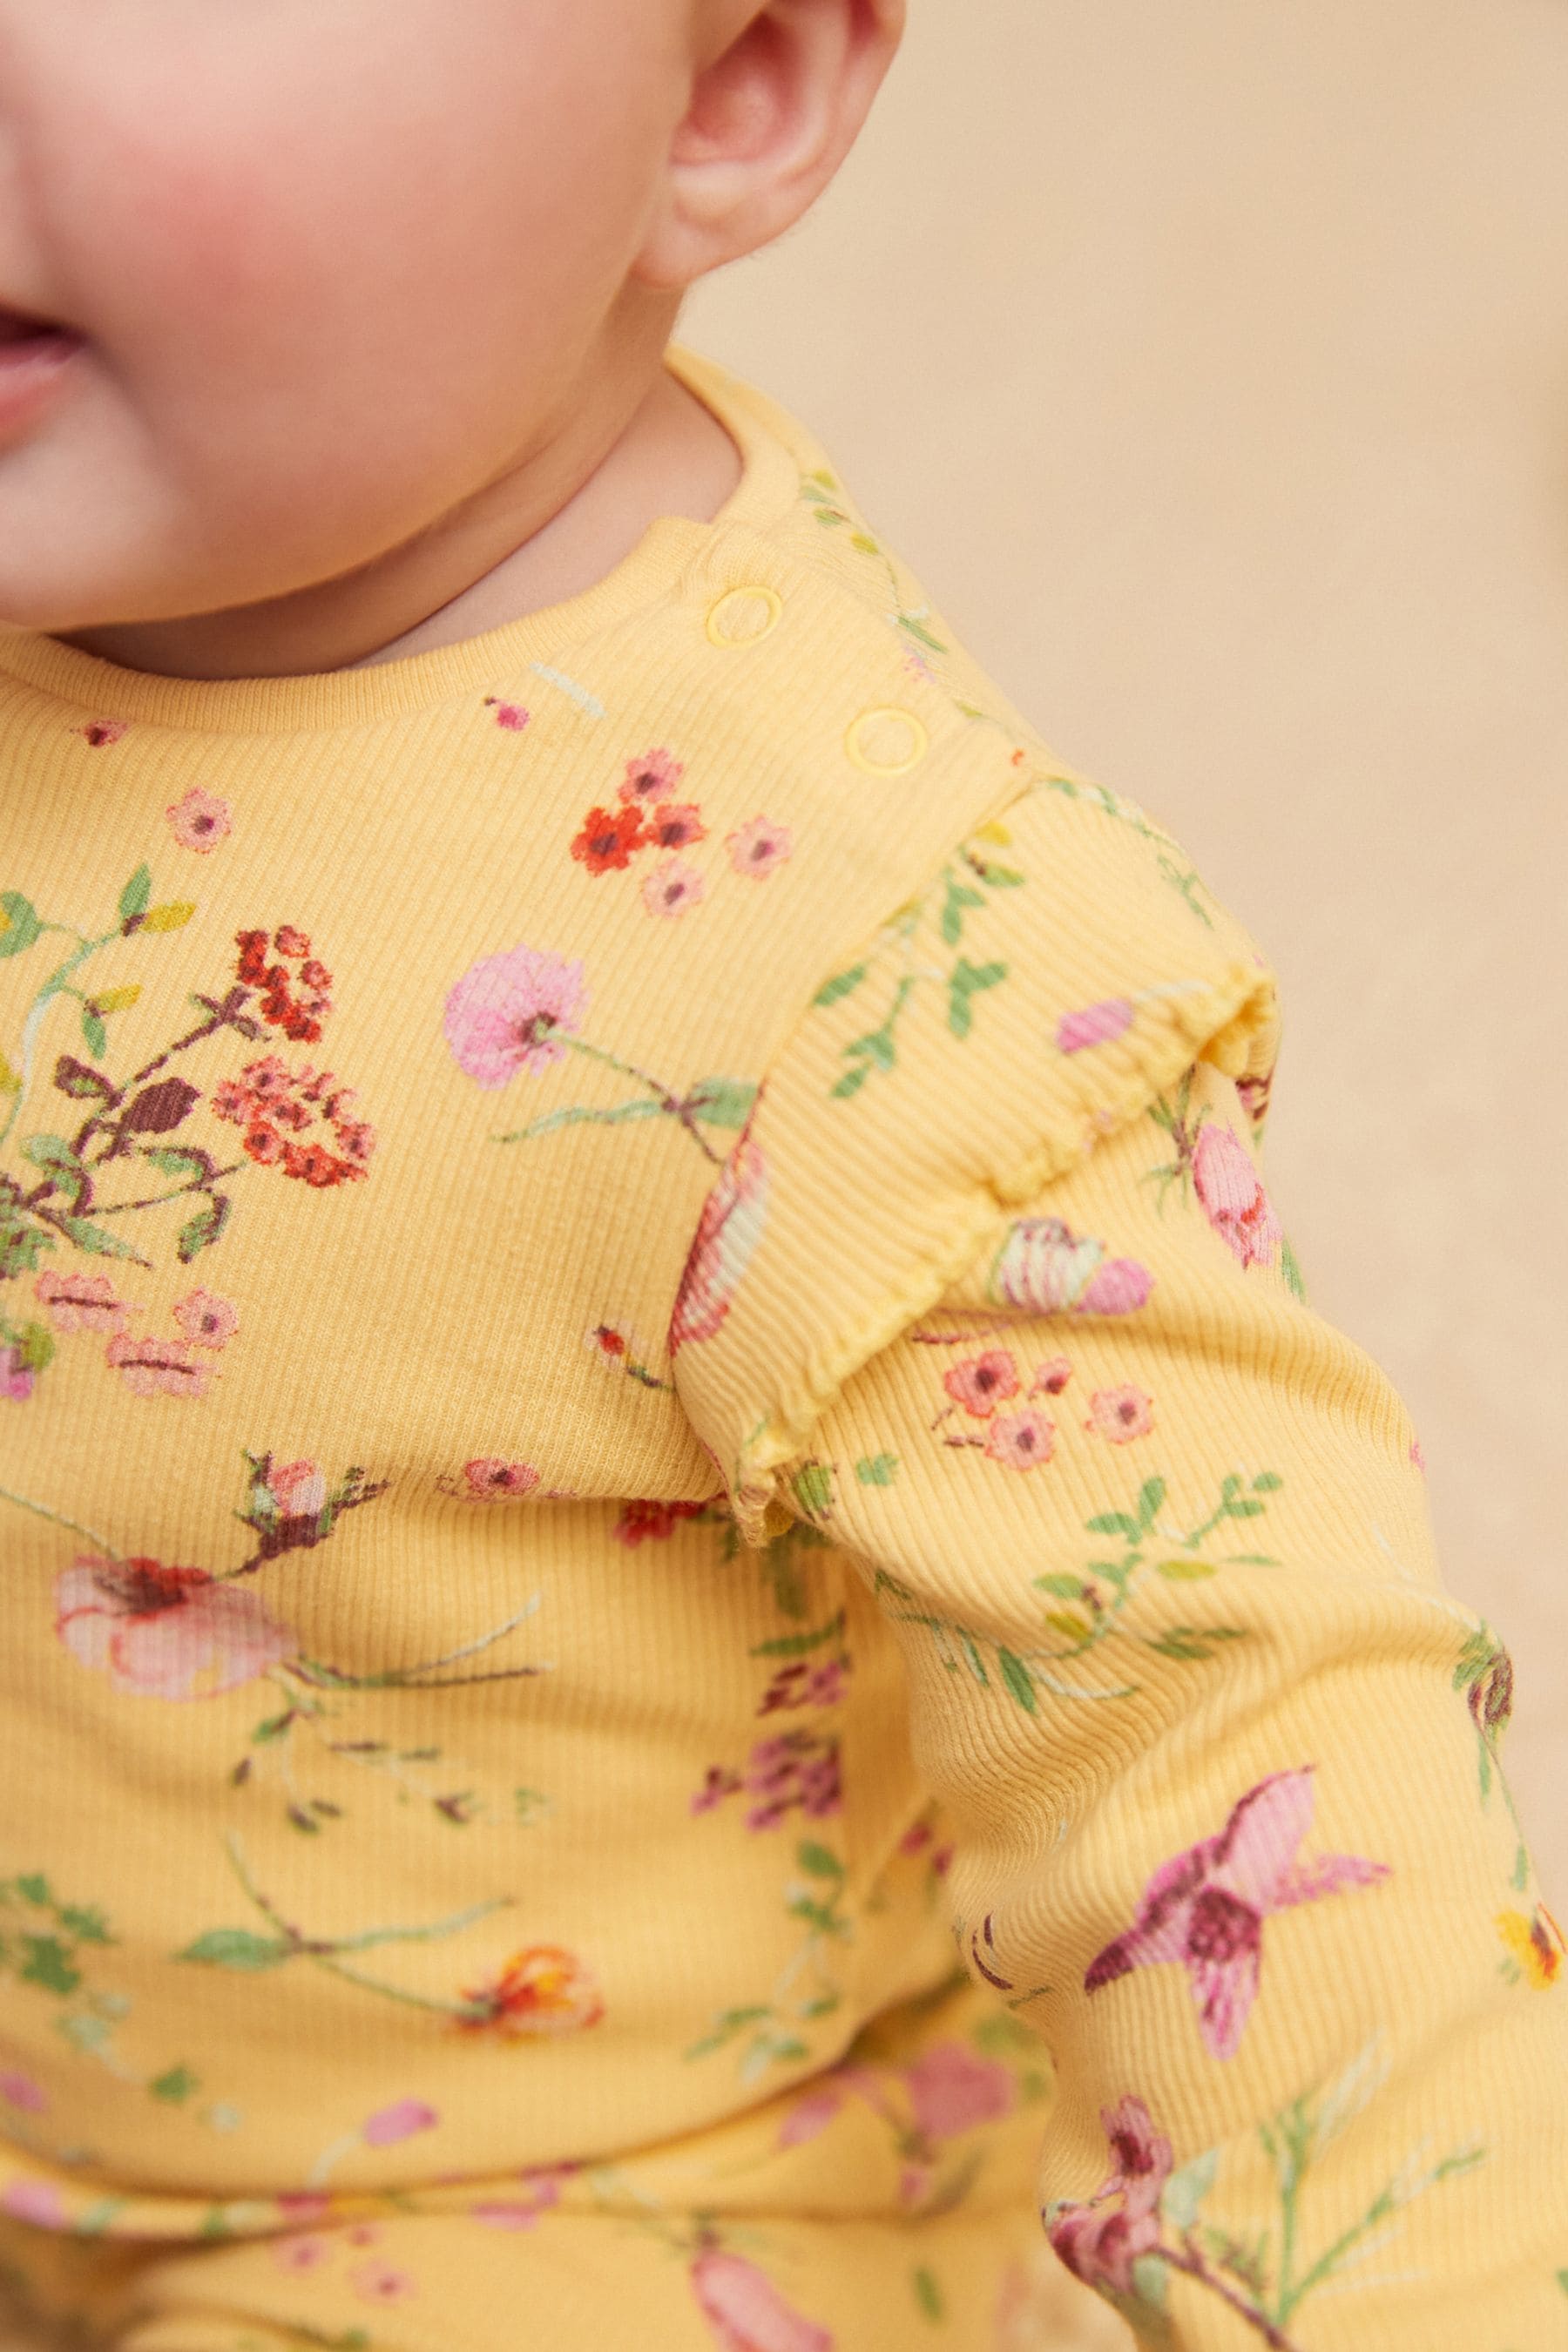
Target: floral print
point(647, 818)
point(1146, 2224)
point(1044, 1268)
point(726, 1236)
point(745, 2311)
point(1204, 1910)
point(165, 1633)
point(758, 847)
point(1534, 1946)
point(513, 1013)
point(1118, 1415)
point(295, 1001)
point(672, 887)
point(200, 821)
point(1233, 1201)
point(541, 1991)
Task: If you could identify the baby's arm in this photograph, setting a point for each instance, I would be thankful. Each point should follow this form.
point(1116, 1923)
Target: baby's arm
point(1222, 1761)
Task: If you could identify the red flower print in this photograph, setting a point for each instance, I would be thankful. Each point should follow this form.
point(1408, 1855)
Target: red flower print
point(672, 887)
point(1205, 1909)
point(1233, 1198)
point(542, 1990)
point(207, 1319)
point(650, 780)
point(509, 1012)
point(508, 714)
point(273, 1104)
point(200, 821)
point(676, 825)
point(726, 1236)
point(101, 732)
point(81, 1302)
point(1052, 1377)
point(295, 1003)
point(759, 848)
point(488, 1480)
point(983, 1382)
point(1021, 1441)
point(745, 2311)
point(652, 1522)
point(165, 1633)
point(1119, 1414)
point(1099, 2242)
point(609, 839)
point(158, 1367)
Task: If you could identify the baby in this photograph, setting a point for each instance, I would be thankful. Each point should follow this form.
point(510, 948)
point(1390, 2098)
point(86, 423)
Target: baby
point(701, 1650)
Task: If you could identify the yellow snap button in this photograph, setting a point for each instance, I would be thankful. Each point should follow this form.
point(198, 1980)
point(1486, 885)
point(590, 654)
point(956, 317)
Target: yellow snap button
point(744, 616)
point(887, 742)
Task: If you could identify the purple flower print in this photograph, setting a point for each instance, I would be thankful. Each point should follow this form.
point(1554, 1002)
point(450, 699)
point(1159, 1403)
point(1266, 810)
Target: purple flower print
point(796, 1769)
point(1099, 2240)
point(1233, 1199)
point(509, 1012)
point(1096, 1025)
point(1205, 1908)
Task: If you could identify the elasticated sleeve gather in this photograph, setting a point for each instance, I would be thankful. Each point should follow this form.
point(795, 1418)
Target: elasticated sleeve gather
point(993, 1293)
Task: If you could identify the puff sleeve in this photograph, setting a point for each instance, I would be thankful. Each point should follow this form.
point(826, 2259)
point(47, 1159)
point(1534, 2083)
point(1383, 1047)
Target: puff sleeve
point(992, 1292)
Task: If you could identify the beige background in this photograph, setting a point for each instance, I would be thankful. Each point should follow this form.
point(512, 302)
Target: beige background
point(1209, 360)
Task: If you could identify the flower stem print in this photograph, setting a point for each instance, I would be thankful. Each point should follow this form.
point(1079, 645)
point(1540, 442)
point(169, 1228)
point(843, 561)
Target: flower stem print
point(922, 948)
point(1145, 2223)
point(1093, 1607)
point(1484, 1672)
point(522, 1012)
point(131, 1152)
point(1183, 879)
point(541, 1991)
point(822, 491)
point(806, 1988)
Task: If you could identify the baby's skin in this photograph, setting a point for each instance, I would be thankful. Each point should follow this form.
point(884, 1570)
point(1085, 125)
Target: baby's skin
point(359, 305)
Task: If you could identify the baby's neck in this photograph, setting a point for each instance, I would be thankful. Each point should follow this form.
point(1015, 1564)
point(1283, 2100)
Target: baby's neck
point(552, 528)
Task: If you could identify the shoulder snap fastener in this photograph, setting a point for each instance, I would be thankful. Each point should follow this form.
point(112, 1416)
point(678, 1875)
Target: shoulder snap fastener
point(744, 616)
point(887, 742)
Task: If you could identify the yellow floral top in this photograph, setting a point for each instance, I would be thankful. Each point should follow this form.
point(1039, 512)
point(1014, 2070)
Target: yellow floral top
point(674, 1532)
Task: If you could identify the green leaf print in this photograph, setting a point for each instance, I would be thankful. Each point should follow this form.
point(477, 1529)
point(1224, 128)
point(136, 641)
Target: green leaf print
point(1105, 1593)
point(236, 1948)
point(19, 924)
point(137, 895)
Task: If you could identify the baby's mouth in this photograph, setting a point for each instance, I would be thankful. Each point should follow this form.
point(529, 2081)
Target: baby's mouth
point(18, 327)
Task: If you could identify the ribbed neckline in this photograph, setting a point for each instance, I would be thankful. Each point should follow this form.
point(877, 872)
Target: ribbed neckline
point(348, 697)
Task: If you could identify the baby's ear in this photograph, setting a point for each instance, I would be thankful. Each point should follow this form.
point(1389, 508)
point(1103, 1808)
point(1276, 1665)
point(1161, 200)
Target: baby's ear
point(778, 96)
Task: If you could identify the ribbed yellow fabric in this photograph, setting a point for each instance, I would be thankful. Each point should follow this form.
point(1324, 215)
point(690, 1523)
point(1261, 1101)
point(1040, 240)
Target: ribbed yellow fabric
point(645, 1367)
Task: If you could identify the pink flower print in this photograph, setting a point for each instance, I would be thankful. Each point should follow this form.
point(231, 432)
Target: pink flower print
point(1120, 1287)
point(672, 887)
point(951, 2090)
point(1119, 1414)
point(809, 2117)
point(158, 1367)
point(1205, 1908)
point(299, 1489)
point(81, 1302)
point(303, 2204)
point(200, 821)
point(541, 2190)
point(800, 1684)
point(509, 1012)
point(402, 2121)
point(1100, 2246)
point(165, 1633)
point(1096, 1025)
point(650, 780)
point(295, 2254)
point(207, 1319)
point(1418, 1454)
point(381, 2282)
point(760, 847)
point(983, 1382)
point(1233, 1198)
point(718, 1785)
point(1021, 1441)
point(39, 2201)
point(746, 2312)
point(726, 1236)
point(16, 1376)
point(1044, 1266)
point(797, 1769)
point(674, 824)
point(489, 1479)
point(20, 2091)
point(510, 714)
point(101, 732)
point(1052, 1377)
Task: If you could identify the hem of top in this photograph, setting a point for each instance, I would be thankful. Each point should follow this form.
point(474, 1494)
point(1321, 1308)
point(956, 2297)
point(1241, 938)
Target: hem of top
point(766, 493)
point(1219, 1027)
